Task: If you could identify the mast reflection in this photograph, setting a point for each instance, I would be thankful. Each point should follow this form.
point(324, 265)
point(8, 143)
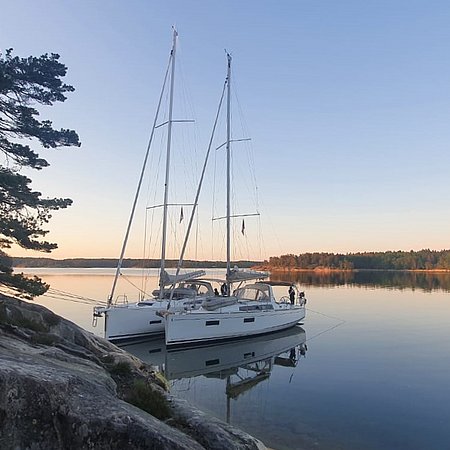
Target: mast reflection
point(243, 364)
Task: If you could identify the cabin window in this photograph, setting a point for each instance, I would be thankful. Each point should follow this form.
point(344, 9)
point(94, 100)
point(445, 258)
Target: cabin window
point(202, 289)
point(212, 322)
point(249, 319)
point(261, 296)
point(212, 362)
point(246, 294)
point(250, 293)
point(153, 322)
point(249, 308)
point(262, 307)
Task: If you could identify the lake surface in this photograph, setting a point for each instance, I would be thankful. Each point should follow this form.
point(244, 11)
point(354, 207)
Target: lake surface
point(368, 369)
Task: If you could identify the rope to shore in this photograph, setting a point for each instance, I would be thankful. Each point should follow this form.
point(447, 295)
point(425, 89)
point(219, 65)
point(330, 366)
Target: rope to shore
point(70, 297)
point(326, 315)
point(341, 322)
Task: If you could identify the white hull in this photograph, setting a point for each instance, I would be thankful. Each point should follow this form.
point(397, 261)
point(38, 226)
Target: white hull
point(133, 321)
point(141, 320)
point(200, 326)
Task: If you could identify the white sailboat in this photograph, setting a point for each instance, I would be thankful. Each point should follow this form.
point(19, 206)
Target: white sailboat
point(183, 291)
point(250, 309)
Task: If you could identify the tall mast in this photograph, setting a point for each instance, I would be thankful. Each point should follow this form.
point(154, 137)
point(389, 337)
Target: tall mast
point(228, 171)
point(197, 195)
point(166, 183)
point(138, 189)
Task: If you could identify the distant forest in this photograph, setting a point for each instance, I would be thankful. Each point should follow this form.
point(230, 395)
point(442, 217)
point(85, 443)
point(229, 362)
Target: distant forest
point(391, 260)
point(128, 263)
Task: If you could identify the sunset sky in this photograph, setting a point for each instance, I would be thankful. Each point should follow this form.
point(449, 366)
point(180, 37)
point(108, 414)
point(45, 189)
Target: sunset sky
point(347, 104)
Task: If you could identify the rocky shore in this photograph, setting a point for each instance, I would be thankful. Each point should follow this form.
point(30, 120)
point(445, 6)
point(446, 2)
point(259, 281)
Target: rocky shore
point(61, 387)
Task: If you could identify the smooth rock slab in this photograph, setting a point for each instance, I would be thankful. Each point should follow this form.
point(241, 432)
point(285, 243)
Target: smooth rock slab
point(62, 396)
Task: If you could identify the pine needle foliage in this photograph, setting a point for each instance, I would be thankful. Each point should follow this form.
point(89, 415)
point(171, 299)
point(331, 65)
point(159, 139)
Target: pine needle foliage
point(25, 84)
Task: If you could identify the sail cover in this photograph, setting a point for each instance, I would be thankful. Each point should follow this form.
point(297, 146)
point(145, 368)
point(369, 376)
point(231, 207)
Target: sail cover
point(172, 279)
point(237, 274)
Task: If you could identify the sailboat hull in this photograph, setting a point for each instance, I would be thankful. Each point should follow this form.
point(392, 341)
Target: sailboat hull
point(133, 321)
point(198, 326)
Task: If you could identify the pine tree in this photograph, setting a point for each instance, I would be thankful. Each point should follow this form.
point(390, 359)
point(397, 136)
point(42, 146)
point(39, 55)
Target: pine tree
point(26, 83)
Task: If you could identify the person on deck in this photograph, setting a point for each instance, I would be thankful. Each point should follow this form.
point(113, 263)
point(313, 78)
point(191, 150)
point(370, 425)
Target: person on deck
point(291, 294)
point(224, 289)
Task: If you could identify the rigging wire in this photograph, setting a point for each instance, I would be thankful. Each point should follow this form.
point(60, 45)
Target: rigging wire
point(260, 239)
point(213, 204)
point(253, 188)
point(144, 248)
point(179, 173)
point(69, 294)
point(73, 300)
point(152, 192)
point(151, 245)
point(190, 158)
point(132, 284)
point(70, 297)
point(198, 189)
point(218, 169)
point(248, 145)
point(243, 248)
point(130, 221)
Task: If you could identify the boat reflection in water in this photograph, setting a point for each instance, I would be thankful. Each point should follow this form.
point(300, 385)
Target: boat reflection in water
point(242, 364)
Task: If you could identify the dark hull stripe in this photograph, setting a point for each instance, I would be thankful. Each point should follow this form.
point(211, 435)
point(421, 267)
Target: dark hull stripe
point(122, 337)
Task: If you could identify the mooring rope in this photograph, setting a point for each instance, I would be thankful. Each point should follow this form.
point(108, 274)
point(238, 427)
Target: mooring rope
point(68, 296)
point(326, 315)
point(341, 322)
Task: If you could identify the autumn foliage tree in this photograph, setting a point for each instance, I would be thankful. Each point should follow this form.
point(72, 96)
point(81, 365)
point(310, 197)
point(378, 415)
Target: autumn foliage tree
point(26, 83)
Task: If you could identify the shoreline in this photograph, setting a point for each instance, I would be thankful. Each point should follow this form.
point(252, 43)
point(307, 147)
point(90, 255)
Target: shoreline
point(327, 270)
point(263, 268)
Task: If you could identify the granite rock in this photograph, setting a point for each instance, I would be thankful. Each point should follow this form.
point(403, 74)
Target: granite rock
point(62, 387)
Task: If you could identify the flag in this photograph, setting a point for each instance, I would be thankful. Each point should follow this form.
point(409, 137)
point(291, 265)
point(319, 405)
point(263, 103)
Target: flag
point(181, 215)
point(243, 227)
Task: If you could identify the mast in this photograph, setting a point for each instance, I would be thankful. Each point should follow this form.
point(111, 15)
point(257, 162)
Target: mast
point(166, 183)
point(228, 172)
point(138, 189)
point(197, 195)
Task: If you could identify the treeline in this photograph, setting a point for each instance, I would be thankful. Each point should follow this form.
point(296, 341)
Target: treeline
point(395, 279)
point(391, 260)
point(129, 263)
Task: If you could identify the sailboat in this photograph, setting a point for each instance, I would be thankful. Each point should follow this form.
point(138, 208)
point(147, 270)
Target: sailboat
point(249, 309)
point(183, 291)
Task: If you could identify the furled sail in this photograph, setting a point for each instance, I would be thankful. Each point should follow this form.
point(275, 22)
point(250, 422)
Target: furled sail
point(168, 279)
point(237, 275)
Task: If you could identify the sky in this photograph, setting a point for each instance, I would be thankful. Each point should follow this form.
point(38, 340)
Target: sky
point(347, 104)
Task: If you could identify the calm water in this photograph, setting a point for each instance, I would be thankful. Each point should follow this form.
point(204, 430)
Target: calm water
point(368, 369)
